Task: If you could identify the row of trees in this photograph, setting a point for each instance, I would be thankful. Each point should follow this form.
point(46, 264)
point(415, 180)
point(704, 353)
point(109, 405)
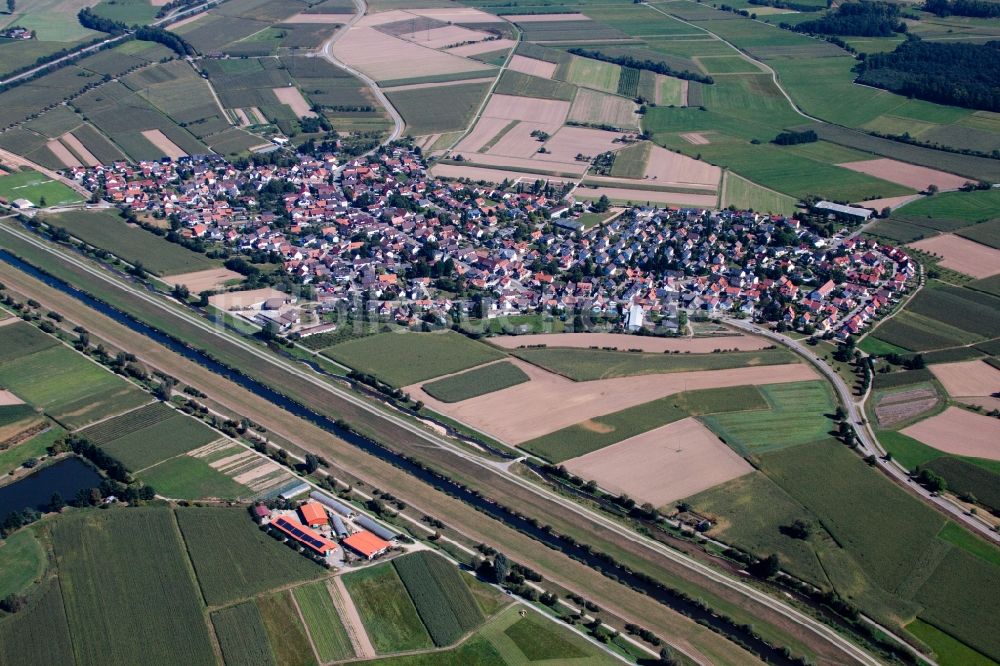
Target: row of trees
point(976, 8)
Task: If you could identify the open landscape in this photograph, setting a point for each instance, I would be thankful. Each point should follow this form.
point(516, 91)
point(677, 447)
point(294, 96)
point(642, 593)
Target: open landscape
point(444, 332)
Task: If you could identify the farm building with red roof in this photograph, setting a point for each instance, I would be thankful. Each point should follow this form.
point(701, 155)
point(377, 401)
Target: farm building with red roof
point(313, 514)
point(305, 536)
point(366, 544)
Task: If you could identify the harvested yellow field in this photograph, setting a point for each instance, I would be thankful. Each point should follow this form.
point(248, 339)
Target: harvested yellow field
point(570, 167)
point(666, 167)
point(665, 464)
point(445, 36)
point(62, 152)
point(533, 66)
point(962, 255)
point(384, 57)
point(160, 140)
point(497, 175)
point(81, 151)
point(457, 15)
point(483, 47)
point(485, 129)
point(292, 97)
point(908, 175)
point(569, 142)
point(960, 432)
point(650, 196)
point(518, 142)
point(550, 402)
point(592, 106)
point(512, 107)
point(198, 281)
point(967, 379)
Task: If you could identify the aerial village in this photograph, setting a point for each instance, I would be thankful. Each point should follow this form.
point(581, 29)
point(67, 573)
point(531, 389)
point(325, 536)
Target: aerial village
point(380, 233)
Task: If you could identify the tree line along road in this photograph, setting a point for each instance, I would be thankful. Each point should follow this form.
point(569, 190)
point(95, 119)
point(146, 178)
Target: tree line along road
point(739, 599)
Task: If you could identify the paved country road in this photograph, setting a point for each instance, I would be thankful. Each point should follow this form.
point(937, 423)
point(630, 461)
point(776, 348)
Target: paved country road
point(846, 648)
point(869, 443)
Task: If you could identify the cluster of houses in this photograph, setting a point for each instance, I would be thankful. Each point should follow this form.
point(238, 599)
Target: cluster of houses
point(381, 231)
point(328, 529)
point(17, 32)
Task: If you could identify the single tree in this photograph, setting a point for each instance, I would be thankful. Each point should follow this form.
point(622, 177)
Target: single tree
point(501, 568)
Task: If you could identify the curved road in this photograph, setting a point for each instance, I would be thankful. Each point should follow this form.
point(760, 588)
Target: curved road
point(806, 622)
point(869, 444)
point(327, 52)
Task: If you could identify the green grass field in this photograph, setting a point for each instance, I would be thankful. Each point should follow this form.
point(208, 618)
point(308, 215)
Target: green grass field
point(406, 358)
point(109, 231)
point(970, 543)
point(37, 188)
point(22, 339)
point(914, 332)
point(126, 424)
point(478, 381)
point(797, 416)
point(974, 476)
point(285, 632)
point(188, 478)
point(70, 388)
point(128, 590)
point(386, 610)
point(325, 627)
point(156, 443)
point(131, 12)
point(442, 599)
point(583, 365)
point(947, 649)
point(36, 447)
point(593, 74)
point(525, 85)
point(596, 433)
point(234, 559)
point(745, 195)
point(11, 414)
point(22, 562)
point(966, 207)
point(630, 162)
point(242, 635)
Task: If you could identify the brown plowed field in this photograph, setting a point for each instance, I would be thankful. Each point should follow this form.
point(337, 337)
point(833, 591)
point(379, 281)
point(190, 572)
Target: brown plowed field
point(160, 140)
point(625, 342)
point(962, 255)
point(385, 57)
point(512, 107)
point(518, 142)
point(74, 144)
point(662, 465)
point(533, 66)
point(908, 175)
point(549, 402)
point(958, 431)
point(439, 38)
point(568, 142)
point(485, 129)
point(969, 378)
point(664, 165)
point(497, 175)
point(292, 97)
point(62, 152)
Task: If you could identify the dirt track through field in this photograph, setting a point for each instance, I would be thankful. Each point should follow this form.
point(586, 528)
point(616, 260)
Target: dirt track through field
point(960, 432)
point(626, 342)
point(349, 615)
point(662, 465)
point(550, 402)
point(962, 255)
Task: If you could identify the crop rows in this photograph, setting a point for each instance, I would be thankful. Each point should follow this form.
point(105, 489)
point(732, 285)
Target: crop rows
point(628, 84)
point(475, 382)
point(442, 598)
point(241, 635)
point(126, 424)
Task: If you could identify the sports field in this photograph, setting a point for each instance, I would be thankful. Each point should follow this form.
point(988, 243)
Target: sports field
point(37, 188)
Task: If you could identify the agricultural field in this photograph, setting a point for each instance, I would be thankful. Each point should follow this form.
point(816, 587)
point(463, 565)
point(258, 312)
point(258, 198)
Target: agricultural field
point(478, 381)
point(37, 188)
point(110, 232)
point(38, 634)
point(285, 631)
point(798, 414)
point(35, 447)
point(583, 365)
point(987, 233)
point(599, 432)
point(22, 562)
point(187, 478)
point(427, 355)
point(442, 599)
point(150, 435)
point(242, 635)
point(136, 614)
point(439, 108)
point(72, 389)
point(386, 609)
point(325, 627)
point(745, 195)
point(233, 559)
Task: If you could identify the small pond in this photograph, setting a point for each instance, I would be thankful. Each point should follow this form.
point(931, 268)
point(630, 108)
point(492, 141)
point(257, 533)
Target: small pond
point(66, 477)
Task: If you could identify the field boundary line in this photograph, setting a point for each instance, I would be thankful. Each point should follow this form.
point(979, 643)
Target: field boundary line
point(305, 625)
point(356, 631)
